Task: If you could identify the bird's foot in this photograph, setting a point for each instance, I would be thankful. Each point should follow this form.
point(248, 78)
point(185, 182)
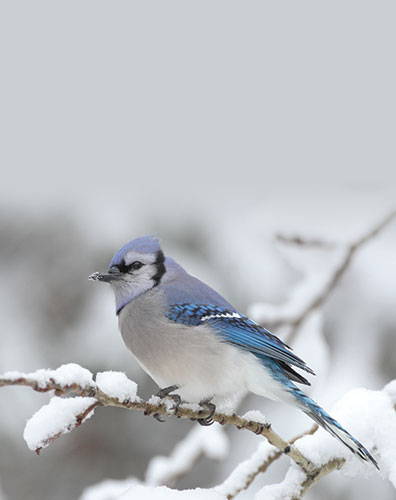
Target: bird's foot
point(165, 393)
point(260, 428)
point(162, 393)
point(212, 408)
point(157, 416)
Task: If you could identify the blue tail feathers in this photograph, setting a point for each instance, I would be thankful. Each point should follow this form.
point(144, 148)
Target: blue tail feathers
point(318, 414)
point(322, 418)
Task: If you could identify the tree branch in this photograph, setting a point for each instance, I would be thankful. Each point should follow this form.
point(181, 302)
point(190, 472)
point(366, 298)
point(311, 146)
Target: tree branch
point(303, 242)
point(63, 414)
point(156, 406)
point(320, 295)
point(338, 272)
point(318, 474)
point(247, 471)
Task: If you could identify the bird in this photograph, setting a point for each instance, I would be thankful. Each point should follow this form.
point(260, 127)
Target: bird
point(196, 346)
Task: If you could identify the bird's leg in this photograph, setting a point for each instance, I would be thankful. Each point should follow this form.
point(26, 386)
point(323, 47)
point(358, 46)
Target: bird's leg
point(163, 393)
point(212, 408)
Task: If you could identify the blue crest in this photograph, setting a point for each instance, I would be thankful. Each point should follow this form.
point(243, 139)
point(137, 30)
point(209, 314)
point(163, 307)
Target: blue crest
point(144, 244)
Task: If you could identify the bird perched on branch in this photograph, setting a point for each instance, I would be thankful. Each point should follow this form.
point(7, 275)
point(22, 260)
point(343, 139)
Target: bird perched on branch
point(196, 346)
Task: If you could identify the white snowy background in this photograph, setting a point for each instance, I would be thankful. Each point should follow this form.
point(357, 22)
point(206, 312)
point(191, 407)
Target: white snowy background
point(217, 125)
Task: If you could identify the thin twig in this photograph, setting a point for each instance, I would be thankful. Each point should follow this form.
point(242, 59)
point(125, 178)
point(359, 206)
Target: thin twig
point(303, 242)
point(320, 472)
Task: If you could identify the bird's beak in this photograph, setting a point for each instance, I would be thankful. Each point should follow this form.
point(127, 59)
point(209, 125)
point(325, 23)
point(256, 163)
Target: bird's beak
point(111, 275)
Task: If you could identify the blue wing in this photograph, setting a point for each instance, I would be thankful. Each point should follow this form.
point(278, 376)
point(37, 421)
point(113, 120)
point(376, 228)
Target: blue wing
point(239, 330)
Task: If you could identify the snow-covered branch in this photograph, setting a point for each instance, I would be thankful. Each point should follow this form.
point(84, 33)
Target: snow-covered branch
point(313, 454)
point(312, 292)
point(246, 472)
point(211, 442)
point(114, 389)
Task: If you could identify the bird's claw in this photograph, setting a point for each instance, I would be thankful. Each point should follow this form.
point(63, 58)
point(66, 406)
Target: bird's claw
point(162, 393)
point(157, 416)
point(207, 420)
point(177, 399)
point(165, 393)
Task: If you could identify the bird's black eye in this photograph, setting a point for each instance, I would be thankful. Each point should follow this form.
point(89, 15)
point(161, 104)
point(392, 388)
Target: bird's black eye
point(136, 265)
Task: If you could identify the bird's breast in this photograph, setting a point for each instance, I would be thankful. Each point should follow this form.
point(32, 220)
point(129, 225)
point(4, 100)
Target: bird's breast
point(193, 358)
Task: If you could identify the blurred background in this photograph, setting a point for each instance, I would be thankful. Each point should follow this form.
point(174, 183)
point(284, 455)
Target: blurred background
point(218, 125)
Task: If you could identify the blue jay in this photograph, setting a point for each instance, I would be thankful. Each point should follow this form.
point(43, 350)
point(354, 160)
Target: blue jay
point(189, 339)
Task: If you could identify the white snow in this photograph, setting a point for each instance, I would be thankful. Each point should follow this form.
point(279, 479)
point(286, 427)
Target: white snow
point(238, 478)
point(390, 390)
point(70, 373)
point(256, 416)
point(191, 406)
point(315, 280)
point(164, 493)
point(41, 377)
point(287, 489)
point(370, 417)
point(54, 419)
point(170, 404)
point(13, 375)
point(117, 385)
point(154, 400)
point(311, 346)
point(109, 489)
point(209, 441)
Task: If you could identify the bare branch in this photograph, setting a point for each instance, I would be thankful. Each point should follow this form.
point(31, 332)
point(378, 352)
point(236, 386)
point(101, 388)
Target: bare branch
point(303, 242)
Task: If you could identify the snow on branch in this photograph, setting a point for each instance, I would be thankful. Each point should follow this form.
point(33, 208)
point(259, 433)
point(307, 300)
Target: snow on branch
point(57, 418)
point(200, 441)
point(313, 454)
point(312, 292)
point(114, 389)
point(246, 472)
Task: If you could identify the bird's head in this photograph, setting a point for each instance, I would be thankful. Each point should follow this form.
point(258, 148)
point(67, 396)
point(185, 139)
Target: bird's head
point(136, 268)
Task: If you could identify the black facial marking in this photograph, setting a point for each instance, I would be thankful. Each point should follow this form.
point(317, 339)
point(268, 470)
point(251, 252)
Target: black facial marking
point(125, 269)
point(122, 267)
point(160, 267)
